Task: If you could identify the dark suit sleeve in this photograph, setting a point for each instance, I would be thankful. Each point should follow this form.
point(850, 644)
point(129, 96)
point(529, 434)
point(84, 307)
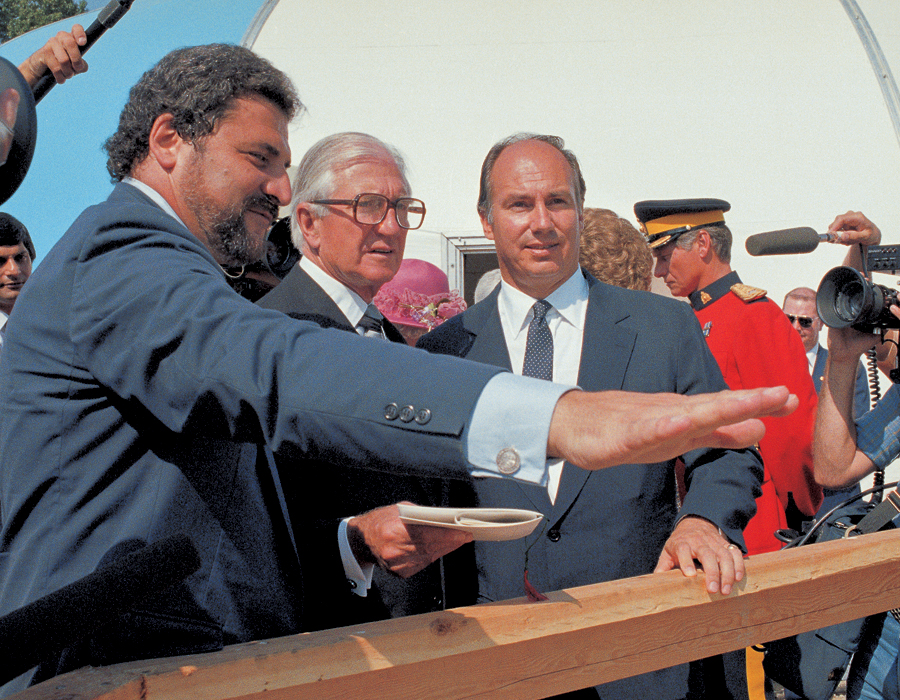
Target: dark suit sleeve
point(450, 338)
point(177, 341)
point(722, 485)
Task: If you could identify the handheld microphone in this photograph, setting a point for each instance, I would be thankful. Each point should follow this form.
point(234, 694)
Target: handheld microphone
point(787, 241)
point(62, 618)
point(108, 16)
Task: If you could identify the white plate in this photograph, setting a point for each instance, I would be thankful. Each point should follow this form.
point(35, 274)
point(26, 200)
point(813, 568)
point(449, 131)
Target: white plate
point(488, 524)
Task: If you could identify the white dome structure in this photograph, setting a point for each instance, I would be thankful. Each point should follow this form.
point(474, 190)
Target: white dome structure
point(787, 110)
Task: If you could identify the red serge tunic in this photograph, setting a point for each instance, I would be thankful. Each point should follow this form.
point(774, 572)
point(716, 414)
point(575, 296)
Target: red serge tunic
point(755, 345)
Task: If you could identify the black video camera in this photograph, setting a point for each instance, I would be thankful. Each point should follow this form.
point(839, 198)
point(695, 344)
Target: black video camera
point(846, 298)
point(281, 255)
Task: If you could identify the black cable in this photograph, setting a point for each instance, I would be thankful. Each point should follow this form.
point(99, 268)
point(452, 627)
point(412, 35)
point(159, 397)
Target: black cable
point(875, 397)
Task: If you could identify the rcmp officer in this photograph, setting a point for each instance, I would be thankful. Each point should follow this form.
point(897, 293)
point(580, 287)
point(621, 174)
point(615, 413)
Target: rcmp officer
point(754, 345)
point(752, 341)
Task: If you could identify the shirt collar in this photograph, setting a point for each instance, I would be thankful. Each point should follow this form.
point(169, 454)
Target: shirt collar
point(349, 302)
point(812, 355)
point(569, 302)
point(702, 298)
point(158, 199)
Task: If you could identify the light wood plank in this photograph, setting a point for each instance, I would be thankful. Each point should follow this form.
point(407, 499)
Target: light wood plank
point(515, 649)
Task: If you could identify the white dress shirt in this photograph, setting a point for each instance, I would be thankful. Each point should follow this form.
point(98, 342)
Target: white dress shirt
point(811, 356)
point(349, 302)
point(566, 323)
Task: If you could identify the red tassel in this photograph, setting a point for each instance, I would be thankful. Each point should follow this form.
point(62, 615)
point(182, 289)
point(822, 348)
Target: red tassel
point(534, 595)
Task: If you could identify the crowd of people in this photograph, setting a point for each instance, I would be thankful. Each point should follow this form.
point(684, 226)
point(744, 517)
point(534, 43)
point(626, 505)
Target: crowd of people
point(142, 396)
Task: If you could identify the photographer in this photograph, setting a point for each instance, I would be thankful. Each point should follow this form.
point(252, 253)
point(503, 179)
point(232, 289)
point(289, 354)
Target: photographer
point(844, 451)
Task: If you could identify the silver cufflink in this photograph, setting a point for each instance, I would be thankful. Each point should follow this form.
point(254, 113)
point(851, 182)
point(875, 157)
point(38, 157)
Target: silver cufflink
point(508, 460)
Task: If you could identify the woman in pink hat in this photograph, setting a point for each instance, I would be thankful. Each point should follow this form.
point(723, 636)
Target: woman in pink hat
point(418, 299)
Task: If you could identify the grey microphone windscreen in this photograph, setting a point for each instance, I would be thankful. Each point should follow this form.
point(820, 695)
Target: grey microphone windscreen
point(784, 242)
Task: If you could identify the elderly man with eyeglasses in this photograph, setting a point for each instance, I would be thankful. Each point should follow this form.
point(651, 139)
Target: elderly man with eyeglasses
point(350, 211)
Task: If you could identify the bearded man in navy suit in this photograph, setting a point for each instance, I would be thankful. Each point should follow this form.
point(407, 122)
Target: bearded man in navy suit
point(626, 521)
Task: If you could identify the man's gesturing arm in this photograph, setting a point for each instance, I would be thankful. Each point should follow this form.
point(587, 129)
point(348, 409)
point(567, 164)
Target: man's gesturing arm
point(598, 430)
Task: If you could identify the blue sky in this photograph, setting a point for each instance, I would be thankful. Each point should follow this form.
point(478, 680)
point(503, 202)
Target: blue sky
point(68, 172)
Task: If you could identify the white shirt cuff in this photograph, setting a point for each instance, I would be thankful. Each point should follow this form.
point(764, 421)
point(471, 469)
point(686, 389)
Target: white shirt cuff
point(510, 425)
point(358, 576)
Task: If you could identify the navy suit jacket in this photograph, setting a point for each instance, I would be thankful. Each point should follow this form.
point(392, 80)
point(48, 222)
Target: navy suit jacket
point(611, 524)
point(323, 493)
point(140, 397)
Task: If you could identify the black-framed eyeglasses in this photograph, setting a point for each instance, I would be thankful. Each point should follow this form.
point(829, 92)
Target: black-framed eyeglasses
point(804, 321)
point(370, 209)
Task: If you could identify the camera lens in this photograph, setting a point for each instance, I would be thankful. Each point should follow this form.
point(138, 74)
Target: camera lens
point(849, 301)
point(846, 298)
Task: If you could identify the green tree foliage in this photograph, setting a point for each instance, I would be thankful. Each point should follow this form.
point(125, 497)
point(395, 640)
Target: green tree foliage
point(20, 16)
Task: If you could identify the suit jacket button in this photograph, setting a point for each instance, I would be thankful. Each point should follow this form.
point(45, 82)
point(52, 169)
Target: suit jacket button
point(407, 413)
point(508, 461)
point(423, 416)
point(553, 535)
point(391, 411)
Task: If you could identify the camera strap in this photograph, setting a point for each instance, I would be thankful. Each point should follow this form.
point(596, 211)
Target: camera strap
point(879, 516)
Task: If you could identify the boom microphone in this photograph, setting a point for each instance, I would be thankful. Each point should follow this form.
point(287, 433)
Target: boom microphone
point(786, 241)
point(62, 618)
point(108, 16)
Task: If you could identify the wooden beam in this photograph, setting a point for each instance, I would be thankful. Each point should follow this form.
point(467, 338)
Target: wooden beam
point(516, 649)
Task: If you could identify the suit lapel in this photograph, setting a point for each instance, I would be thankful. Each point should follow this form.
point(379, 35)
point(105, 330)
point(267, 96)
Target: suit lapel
point(606, 350)
point(819, 367)
point(489, 344)
point(392, 334)
point(306, 295)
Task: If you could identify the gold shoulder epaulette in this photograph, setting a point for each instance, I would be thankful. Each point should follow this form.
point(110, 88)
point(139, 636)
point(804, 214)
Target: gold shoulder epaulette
point(746, 293)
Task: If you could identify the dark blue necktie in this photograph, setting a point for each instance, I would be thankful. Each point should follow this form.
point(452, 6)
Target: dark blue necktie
point(539, 347)
point(372, 322)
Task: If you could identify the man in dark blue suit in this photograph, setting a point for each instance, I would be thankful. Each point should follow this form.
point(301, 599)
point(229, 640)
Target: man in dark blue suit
point(141, 397)
point(625, 521)
point(800, 308)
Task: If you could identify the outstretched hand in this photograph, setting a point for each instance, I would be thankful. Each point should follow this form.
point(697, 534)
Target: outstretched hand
point(380, 537)
point(603, 429)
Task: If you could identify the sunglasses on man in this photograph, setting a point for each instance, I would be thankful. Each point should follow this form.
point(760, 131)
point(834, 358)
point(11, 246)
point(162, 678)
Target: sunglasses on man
point(804, 321)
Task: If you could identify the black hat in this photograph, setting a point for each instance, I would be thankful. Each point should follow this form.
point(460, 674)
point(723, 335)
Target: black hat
point(664, 220)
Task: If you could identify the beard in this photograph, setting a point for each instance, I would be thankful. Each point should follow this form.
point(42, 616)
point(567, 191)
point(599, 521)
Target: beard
point(224, 228)
point(227, 233)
